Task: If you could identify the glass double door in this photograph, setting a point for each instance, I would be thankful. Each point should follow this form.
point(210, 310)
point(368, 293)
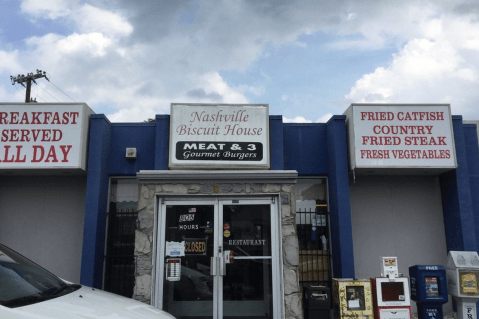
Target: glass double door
point(216, 259)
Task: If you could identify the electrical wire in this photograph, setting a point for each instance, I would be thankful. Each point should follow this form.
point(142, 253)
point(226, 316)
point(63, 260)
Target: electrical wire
point(38, 96)
point(49, 79)
point(47, 92)
point(17, 88)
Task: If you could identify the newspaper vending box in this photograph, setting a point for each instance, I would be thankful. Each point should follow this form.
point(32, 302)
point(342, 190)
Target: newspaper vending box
point(462, 271)
point(428, 290)
point(352, 298)
point(391, 292)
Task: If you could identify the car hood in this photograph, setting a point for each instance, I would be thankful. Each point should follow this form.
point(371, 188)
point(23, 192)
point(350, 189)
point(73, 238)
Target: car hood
point(86, 303)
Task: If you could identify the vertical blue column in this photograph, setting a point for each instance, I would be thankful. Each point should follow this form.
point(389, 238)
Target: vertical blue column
point(276, 141)
point(161, 144)
point(339, 203)
point(96, 202)
point(456, 197)
point(472, 147)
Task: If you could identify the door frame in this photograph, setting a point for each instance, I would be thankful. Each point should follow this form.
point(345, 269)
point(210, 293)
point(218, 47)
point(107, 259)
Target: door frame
point(158, 258)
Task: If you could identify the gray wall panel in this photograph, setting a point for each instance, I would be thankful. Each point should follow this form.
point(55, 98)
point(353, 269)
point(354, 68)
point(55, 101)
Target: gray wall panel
point(397, 216)
point(42, 218)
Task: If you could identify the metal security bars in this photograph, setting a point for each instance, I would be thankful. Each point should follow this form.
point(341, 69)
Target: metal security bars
point(120, 259)
point(314, 245)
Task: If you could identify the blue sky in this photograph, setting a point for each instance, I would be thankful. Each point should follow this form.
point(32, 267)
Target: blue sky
point(307, 59)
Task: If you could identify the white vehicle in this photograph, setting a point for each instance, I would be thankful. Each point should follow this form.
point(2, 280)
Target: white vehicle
point(28, 291)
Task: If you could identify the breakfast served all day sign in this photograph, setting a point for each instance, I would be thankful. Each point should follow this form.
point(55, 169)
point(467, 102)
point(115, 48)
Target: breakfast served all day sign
point(43, 136)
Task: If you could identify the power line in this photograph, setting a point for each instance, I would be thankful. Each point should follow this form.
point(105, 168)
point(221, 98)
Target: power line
point(47, 92)
point(60, 89)
point(21, 78)
point(41, 99)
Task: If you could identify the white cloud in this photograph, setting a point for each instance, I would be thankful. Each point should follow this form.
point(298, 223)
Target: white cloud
point(138, 113)
point(297, 119)
point(440, 67)
point(212, 82)
point(325, 118)
point(94, 44)
point(9, 62)
point(138, 55)
point(91, 19)
point(51, 9)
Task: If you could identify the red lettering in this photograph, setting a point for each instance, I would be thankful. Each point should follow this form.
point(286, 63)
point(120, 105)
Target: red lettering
point(35, 119)
point(3, 116)
point(24, 118)
point(46, 135)
point(38, 157)
point(56, 118)
point(51, 154)
point(74, 115)
point(14, 135)
point(377, 116)
point(57, 135)
point(14, 117)
point(381, 140)
point(17, 159)
point(375, 154)
point(4, 136)
point(25, 137)
point(46, 117)
point(424, 140)
point(35, 134)
point(65, 118)
point(5, 159)
point(65, 150)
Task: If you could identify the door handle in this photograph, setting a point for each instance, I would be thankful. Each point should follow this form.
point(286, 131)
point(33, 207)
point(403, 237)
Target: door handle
point(213, 266)
point(218, 266)
point(221, 261)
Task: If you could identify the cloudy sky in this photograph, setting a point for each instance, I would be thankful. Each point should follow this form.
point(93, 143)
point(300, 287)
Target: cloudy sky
point(307, 59)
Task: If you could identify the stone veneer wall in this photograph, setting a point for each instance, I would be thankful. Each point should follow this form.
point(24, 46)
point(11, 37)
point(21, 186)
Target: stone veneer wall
point(144, 233)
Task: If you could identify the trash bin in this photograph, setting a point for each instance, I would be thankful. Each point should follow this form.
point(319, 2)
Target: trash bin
point(317, 302)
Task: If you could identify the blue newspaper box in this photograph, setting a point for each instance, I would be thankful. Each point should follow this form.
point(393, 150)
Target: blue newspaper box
point(429, 290)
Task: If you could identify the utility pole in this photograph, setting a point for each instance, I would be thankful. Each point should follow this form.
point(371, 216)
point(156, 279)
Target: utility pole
point(21, 78)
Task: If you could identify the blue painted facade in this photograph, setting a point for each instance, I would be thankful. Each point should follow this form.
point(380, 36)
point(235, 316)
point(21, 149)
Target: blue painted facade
point(311, 149)
point(458, 189)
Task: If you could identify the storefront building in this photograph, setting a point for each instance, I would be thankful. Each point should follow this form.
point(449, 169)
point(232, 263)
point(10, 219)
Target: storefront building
point(224, 210)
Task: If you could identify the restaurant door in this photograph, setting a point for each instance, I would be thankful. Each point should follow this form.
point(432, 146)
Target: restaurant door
point(219, 258)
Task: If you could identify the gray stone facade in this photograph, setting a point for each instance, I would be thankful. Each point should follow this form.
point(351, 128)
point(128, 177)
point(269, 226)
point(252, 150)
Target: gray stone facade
point(150, 189)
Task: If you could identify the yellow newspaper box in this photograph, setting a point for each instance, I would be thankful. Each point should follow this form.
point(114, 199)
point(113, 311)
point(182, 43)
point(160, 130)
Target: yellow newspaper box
point(352, 298)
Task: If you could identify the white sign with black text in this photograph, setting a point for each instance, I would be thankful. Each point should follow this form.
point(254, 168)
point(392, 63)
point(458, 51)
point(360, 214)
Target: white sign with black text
point(219, 136)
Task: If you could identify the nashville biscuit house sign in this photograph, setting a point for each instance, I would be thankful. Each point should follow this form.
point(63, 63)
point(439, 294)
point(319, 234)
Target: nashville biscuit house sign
point(43, 136)
point(219, 136)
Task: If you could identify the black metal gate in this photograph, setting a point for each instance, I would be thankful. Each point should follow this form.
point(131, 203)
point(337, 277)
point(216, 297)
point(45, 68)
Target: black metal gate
point(314, 246)
point(120, 254)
